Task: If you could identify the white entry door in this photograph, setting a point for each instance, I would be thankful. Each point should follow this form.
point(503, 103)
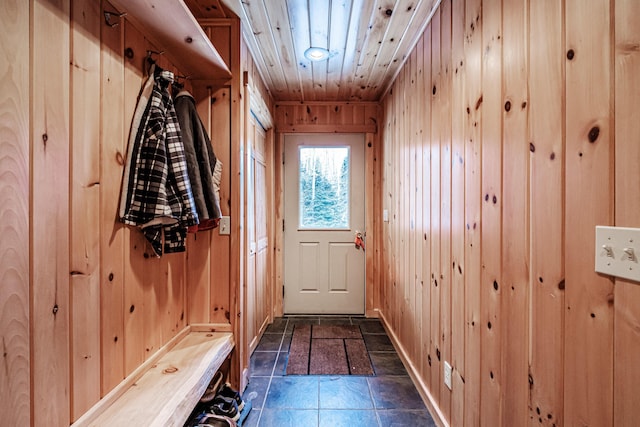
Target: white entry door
point(324, 273)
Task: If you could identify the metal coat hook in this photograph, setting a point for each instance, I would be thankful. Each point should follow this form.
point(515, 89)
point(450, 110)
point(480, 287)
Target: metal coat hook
point(153, 52)
point(108, 16)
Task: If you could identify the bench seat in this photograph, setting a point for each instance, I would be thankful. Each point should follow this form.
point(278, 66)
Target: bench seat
point(165, 392)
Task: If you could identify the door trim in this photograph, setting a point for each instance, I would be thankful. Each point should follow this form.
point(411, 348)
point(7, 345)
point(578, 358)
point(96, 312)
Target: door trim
point(373, 221)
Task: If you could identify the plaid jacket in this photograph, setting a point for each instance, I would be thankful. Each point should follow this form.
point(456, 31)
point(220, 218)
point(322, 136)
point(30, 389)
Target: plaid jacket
point(156, 192)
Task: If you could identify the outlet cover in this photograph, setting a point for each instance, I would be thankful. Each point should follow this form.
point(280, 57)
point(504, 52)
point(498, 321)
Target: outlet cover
point(447, 374)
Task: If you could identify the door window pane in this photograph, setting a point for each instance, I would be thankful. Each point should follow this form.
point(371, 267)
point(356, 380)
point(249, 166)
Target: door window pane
point(324, 188)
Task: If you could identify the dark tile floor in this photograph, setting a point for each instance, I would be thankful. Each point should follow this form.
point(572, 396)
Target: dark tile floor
point(387, 399)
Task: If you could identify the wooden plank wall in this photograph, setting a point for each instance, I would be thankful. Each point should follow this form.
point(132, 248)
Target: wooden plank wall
point(83, 300)
point(517, 126)
point(15, 221)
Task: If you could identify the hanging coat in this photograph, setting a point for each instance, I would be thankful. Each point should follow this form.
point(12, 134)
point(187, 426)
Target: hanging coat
point(156, 191)
point(201, 162)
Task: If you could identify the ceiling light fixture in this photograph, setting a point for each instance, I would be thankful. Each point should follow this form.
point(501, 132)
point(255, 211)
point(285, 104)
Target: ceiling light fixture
point(316, 54)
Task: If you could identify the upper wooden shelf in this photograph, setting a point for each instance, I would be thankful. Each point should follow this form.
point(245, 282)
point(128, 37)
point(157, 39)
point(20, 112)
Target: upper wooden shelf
point(172, 27)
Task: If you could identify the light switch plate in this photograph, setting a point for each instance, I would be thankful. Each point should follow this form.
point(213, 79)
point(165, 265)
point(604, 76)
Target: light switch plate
point(447, 374)
point(617, 251)
point(225, 226)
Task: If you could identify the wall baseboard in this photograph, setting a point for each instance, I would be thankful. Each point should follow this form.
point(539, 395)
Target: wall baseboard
point(428, 399)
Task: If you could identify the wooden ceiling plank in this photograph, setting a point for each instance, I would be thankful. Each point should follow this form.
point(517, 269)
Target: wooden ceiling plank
point(397, 30)
point(299, 24)
point(421, 19)
point(258, 20)
point(319, 35)
point(278, 16)
point(338, 33)
point(378, 29)
point(359, 33)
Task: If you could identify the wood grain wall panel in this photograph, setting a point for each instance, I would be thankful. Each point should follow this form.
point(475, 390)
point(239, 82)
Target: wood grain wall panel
point(50, 310)
point(457, 272)
point(135, 245)
point(627, 205)
point(199, 244)
point(490, 101)
point(589, 202)
point(338, 117)
point(515, 221)
point(473, 178)
point(426, 207)
point(220, 245)
point(437, 113)
point(113, 137)
point(85, 206)
point(546, 112)
point(15, 388)
point(417, 113)
point(445, 201)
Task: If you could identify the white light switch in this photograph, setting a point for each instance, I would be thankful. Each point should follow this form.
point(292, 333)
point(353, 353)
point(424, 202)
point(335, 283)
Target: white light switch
point(225, 226)
point(617, 251)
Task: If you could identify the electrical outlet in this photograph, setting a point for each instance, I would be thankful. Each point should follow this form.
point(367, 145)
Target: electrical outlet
point(225, 226)
point(447, 374)
point(617, 252)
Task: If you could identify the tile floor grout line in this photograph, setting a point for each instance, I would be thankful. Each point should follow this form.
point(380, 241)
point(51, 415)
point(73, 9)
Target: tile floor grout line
point(275, 363)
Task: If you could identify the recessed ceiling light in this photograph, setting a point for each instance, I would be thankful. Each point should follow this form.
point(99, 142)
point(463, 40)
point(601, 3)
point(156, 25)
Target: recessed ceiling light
point(316, 54)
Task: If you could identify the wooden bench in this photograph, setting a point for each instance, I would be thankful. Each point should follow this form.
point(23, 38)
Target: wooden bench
point(166, 388)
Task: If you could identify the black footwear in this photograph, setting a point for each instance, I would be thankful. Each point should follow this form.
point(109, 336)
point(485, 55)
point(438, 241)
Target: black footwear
point(226, 407)
point(228, 392)
point(212, 388)
point(212, 420)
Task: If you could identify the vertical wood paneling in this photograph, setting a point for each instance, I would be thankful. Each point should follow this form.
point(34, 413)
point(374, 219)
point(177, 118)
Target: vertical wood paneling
point(410, 289)
point(546, 112)
point(425, 119)
point(490, 101)
point(135, 244)
point(113, 136)
point(515, 220)
point(219, 276)
point(14, 213)
point(199, 246)
point(627, 158)
point(437, 114)
point(473, 145)
point(371, 218)
point(85, 206)
point(445, 201)
point(458, 269)
point(421, 201)
point(50, 359)
point(589, 197)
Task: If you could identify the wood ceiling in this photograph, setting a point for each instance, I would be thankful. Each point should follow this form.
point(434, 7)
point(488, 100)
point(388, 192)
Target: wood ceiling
point(368, 41)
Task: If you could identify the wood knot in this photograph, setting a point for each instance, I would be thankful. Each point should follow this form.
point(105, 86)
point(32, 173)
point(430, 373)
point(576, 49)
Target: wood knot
point(571, 54)
point(507, 106)
point(119, 158)
point(128, 53)
point(55, 309)
point(170, 370)
point(388, 12)
point(594, 133)
point(532, 147)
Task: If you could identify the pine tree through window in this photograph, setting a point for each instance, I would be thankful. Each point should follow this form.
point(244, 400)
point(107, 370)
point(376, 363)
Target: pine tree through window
point(324, 187)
